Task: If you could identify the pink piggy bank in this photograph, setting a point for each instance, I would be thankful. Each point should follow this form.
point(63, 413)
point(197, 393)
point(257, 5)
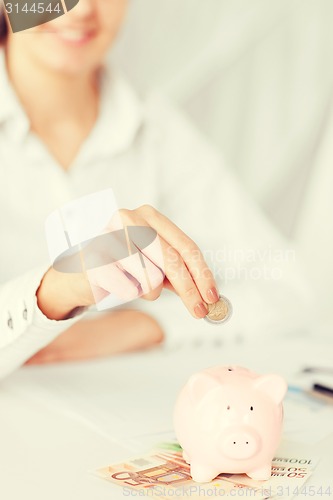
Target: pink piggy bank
point(229, 420)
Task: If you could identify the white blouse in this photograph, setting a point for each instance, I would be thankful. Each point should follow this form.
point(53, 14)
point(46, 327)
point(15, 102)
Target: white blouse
point(146, 152)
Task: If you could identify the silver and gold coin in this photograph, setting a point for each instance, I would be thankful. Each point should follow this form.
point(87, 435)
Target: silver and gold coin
point(220, 311)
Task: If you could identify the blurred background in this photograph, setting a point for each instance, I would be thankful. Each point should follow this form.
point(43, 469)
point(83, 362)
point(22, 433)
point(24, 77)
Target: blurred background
point(256, 78)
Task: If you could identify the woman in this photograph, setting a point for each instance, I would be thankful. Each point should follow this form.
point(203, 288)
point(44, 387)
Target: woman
point(69, 126)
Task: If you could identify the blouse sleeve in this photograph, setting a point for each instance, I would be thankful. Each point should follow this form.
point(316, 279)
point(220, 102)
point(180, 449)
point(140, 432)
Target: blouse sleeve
point(24, 329)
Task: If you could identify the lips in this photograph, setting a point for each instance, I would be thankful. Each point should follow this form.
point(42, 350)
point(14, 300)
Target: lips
point(73, 36)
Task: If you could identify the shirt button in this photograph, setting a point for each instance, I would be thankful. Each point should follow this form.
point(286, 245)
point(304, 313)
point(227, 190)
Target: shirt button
point(10, 322)
point(25, 312)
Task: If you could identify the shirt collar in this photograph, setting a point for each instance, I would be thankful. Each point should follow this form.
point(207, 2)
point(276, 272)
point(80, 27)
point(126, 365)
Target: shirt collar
point(120, 115)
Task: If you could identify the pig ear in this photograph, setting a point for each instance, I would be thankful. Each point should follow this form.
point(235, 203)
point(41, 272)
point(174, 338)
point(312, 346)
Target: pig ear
point(201, 383)
point(273, 385)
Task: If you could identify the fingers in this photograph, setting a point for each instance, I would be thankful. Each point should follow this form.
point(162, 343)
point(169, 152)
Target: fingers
point(127, 273)
point(146, 273)
point(171, 256)
point(111, 278)
point(187, 249)
point(182, 281)
point(127, 279)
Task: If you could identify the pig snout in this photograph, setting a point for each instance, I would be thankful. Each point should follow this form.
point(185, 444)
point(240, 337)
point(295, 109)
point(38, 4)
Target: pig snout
point(240, 444)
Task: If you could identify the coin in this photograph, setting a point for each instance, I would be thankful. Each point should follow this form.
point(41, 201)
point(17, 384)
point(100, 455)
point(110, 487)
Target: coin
point(220, 311)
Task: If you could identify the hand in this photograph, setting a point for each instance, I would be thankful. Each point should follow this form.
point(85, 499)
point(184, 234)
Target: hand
point(176, 264)
point(111, 333)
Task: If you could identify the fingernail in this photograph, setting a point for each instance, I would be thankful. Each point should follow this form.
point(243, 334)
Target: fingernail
point(200, 310)
point(212, 295)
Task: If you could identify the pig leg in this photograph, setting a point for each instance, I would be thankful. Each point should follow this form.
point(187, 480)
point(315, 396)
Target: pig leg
point(202, 474)
point(261, 474)
point(186, 457)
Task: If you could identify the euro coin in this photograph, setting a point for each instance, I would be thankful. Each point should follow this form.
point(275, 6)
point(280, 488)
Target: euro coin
point(220, 311)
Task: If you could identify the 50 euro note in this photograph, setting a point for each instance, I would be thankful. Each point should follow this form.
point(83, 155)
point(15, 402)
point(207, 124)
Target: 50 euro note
point(158, 474)
point(163, 474)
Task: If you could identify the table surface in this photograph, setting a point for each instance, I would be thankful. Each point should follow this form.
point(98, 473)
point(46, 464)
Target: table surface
point(59, 423)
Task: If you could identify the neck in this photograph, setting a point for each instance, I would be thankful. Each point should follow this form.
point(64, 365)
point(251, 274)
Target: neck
point(44, 92)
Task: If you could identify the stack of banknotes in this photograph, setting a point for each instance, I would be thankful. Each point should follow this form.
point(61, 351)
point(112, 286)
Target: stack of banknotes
point(163, 474)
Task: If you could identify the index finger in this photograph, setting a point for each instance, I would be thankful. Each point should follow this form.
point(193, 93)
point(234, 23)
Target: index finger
point(187, 249)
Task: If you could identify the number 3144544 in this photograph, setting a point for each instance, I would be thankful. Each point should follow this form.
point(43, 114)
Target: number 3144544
point(34, 8)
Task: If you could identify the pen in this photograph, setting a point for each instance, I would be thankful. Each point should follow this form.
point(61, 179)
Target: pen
point(314, 394)
point(324, 389)
point(318, 369)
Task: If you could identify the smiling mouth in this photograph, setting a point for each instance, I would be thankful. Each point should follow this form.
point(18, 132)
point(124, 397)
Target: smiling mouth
point(74, 37)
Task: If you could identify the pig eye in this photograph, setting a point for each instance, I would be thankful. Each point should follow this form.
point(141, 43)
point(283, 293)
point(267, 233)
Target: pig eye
point(228, 407)
point(251, 408)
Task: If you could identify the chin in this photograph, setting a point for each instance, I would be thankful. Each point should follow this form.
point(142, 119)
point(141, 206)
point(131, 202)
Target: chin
point(71, 68)
point(70, 63)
